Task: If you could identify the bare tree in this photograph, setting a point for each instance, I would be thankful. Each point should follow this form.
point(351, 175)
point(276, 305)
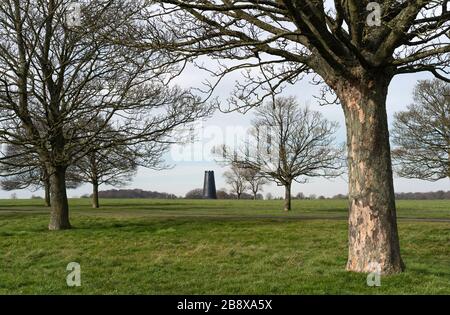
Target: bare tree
point(114, 166)
point(194, 194)
point(235, 177)
point(356, 48)
point(22, 169)
point(289, 143)
point(117, 163)
point(255, 181)
point(422, 133)
point(55, 78)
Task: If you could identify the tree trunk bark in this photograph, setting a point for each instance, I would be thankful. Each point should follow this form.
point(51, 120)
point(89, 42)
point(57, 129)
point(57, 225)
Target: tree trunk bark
point(373, 237)
point(95, 202)
point(47, 192)
point(287, 197)
point(46, 182)
point(255, 195)
point(59, 217)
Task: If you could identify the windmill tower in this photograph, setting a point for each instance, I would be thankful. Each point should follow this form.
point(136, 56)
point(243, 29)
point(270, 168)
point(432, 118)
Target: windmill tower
point(209, 186)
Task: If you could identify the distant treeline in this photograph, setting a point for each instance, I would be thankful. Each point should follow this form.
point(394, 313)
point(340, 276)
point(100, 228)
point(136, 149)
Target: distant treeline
point(431, 195)
point(424, 196)
point(134, 193)
point(221, 194)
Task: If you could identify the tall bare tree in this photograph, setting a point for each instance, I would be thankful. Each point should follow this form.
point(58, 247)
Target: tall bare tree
point(255, 181)
point(56, 78)
point(117, 163)
point(356, 48)
point(113, 166)
point(289, 143)
point(422, 133)
point(235, 177)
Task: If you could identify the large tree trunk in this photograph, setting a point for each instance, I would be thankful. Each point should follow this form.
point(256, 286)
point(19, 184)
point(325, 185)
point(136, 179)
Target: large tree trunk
point(95, 202)
point(373, 237)
point(287, 197)
point(59, 217)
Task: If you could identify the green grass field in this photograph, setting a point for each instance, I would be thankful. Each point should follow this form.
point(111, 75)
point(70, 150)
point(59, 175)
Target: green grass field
point(212, 247)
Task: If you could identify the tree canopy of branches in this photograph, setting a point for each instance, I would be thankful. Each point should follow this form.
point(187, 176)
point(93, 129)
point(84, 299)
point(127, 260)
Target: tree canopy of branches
point(255, 181)
point(113, 166)
point(422, 133)
point(22, 169)
point(55, 79)
point(356, 47)
point(235, 177)
point(117, 163)
point(195, 194)
point(289, 143)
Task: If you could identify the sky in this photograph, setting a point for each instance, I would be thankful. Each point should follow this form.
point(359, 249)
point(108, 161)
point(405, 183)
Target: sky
point(189, 162)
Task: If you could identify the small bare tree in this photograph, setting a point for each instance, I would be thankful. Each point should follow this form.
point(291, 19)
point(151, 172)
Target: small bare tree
point(422, 133)
point(255, 181)
point(289, 143)
point(235, 177)
point(117, 163)
point(114, 166)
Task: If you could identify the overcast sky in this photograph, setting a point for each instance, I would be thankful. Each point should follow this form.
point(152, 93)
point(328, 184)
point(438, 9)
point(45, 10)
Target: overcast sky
point(190, 162)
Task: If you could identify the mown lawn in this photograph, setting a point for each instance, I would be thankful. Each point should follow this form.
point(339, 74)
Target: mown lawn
point(212, 247)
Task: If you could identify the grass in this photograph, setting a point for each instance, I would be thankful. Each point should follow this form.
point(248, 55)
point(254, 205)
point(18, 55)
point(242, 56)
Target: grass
point(212, 247)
